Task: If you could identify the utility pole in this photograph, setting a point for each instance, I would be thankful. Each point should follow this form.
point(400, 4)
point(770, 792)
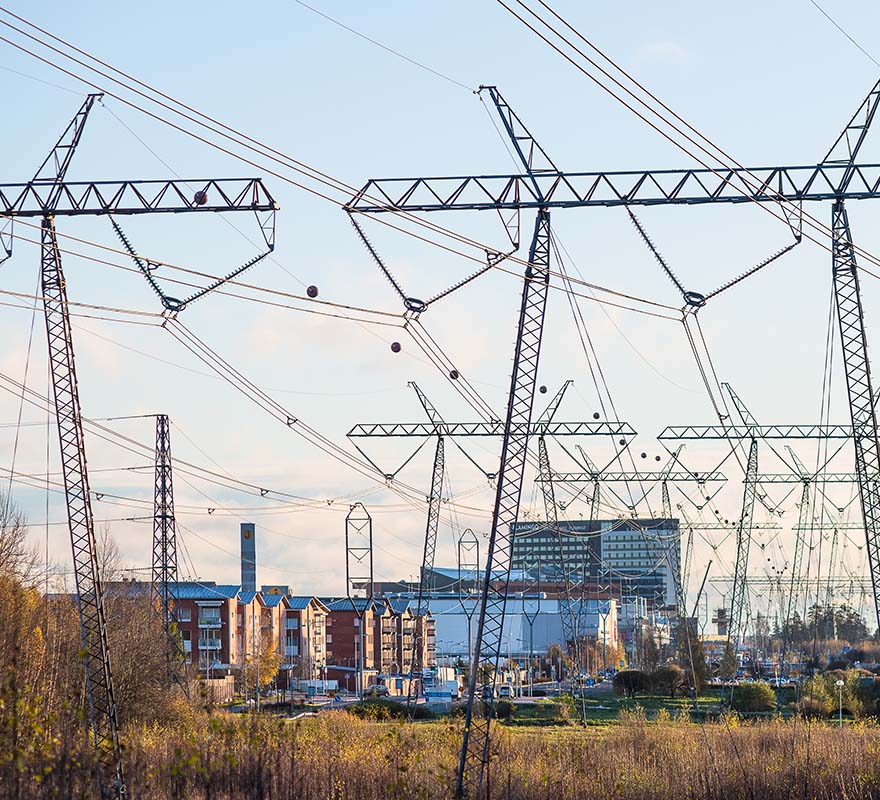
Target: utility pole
point(530, 610)
point(468, 552)
point(47, 197)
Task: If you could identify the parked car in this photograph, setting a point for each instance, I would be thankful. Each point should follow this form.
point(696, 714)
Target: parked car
point(489, 693)
point(377, 690)
point(507, 691)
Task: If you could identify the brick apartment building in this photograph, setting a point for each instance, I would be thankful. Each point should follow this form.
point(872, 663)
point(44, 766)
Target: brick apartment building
point(206, 616)
point(303, 638)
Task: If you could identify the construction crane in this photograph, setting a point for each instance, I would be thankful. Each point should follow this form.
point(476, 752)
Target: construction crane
point(48, 197)
point(546, 188)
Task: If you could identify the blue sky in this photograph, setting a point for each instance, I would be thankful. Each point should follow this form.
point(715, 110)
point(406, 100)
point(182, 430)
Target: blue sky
point(773, 83)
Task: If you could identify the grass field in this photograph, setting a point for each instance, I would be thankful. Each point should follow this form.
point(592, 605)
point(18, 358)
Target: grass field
point(336, 756)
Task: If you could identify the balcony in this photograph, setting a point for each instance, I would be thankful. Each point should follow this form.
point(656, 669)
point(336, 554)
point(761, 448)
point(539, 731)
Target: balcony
point(209, 644)
point(209, 622)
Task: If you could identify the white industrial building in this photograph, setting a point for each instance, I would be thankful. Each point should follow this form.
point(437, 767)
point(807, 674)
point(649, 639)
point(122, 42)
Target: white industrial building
point(531, 619)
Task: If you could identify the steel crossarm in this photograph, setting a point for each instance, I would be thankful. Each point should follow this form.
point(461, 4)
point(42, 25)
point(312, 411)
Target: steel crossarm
point(819, 477)
point(647, 477)
point(83, 198)
point(494, 428)
point(680, 432)
point(559, 189)
point(767, 581)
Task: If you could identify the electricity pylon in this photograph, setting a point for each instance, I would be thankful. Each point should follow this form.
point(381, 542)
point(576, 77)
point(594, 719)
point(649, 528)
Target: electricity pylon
point(47, 197)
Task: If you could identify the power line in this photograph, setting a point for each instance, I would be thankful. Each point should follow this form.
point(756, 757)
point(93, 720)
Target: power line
point(387, 49)
point(840, 28)
point(278, 157)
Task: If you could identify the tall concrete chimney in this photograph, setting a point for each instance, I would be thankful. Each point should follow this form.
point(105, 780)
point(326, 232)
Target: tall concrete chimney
point(248, 557)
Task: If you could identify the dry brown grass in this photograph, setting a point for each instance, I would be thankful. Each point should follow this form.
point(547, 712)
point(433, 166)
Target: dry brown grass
point(336, 757)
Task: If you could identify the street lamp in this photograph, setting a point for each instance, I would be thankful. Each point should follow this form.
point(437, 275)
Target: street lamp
point(839, 684)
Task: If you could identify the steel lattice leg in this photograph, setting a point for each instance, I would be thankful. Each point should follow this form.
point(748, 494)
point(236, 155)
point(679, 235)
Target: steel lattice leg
point(488, 646)
point(743, 540)
point(566, 613)
point(858, 383)
point(425, 584)
point(93, 628)
point(803, 522)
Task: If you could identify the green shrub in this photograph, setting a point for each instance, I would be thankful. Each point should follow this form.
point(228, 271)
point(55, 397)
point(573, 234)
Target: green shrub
point(504, 709)
point(630, 682)
point(757, 696)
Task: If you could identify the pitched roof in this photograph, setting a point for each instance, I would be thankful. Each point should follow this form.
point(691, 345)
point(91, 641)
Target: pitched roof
point(299, 602)
point(399, 605)
point(205, 591)
point(247, 597)
point(357, 604)
point(272, 600)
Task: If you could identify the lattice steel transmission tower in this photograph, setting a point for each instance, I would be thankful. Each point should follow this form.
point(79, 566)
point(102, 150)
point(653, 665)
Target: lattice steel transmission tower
point(164, 563)
point(853, 337)
point(48, 196)
point(544, 188)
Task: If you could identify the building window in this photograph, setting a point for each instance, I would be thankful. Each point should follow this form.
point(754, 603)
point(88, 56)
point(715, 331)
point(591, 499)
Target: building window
point(329, 638)
point(184, 615)
point(209, 616)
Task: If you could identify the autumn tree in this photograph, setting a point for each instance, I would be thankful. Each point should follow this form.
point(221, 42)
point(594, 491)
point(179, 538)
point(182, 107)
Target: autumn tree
point(669, 678)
